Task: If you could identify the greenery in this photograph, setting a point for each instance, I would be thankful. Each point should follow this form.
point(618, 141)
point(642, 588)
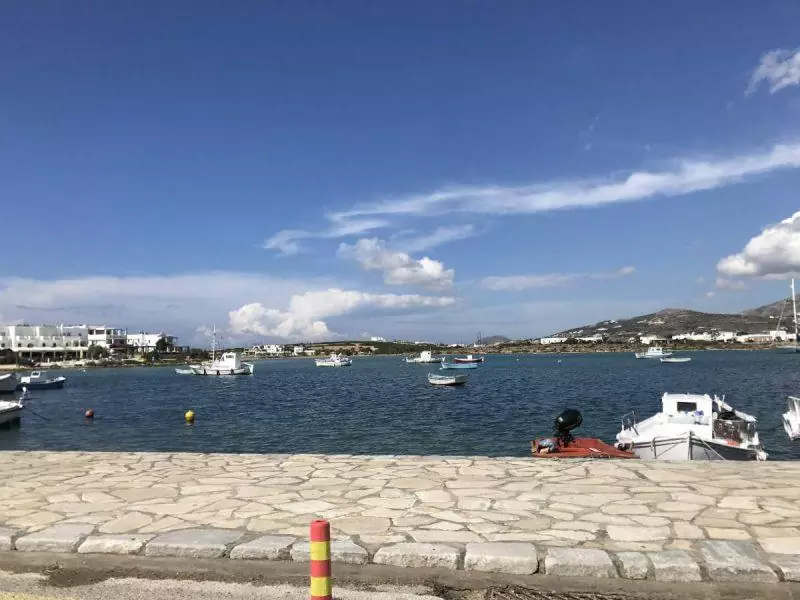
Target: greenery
point(162, 346)
point(96, 352)
point(7, 357)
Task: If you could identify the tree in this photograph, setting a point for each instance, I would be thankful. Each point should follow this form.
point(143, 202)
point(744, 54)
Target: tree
point(96, 352)
point(162, 345)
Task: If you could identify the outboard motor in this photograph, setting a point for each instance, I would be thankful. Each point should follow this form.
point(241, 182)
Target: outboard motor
point(565, 422)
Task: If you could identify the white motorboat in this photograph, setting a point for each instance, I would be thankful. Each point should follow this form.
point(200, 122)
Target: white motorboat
point(654, 352)
point(8, 383)
point(228, 364)
point(692, 427)
point(35, 381)
point(791, 418)
point(434, 379)
point(10, 411)
point(675, 359)
point(334, 360)
point(425, 357)
point(187, 371)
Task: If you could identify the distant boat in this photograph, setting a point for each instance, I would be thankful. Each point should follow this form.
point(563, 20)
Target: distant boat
point(445, 366)
point(654, 352)
point(425, 357)
point(228, 364)
point(676, 359)
point(8, 383)
point(334, 360)
point(434, 379)
point(791, 419)
point(469, 359)
point(188, 371)
point(35, 381)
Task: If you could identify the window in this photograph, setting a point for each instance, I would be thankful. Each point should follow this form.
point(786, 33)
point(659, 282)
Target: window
point(30, 345)
point(687, 406)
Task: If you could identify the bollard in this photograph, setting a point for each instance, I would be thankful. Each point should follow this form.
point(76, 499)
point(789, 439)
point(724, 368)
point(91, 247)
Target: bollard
point(320, 550)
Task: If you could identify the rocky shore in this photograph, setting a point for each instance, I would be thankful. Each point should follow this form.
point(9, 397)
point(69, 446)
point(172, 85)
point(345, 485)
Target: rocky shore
point(670, 522)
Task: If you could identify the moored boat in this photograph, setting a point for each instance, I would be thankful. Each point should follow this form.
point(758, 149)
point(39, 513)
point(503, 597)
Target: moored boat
point(791, 418)
point(8, 383)
point(228, 364)
point(469, 358)
point(564, 445)
point(692, 427)
point(187, 371)
point(445, 366)
point(434, 379)
point(35, 381)
point(334, 360)
point(654, 352)
point(676, 359)
point(425, 357)
point(10, 411)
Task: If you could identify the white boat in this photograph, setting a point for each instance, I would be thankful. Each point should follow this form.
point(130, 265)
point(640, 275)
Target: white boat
point(187, 371)
point(654, 352)
point(10, 411)
point(794, 347)
point(425, 357)
point(334, 360)
point(228, 364)
point(8, 383)
point(675, 359)
point(692, 427)
point(791, 418)
point(35, 381)
point(434, 379)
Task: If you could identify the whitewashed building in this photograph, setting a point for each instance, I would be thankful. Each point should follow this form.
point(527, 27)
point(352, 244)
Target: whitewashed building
point(146, 342)
point(272, 349)
point(111, 338)
point(649, 339)
point(298, 351)
point(552, 340)
point(45, 342)
point(377, 338)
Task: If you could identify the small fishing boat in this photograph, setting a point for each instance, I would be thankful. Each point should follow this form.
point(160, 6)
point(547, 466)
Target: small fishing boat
point(10, 411)
point(445, 366)
point(654, 352)
point(692, 427)
point(8, 383)
point(188, 371)
point(35, 381)
point(564, 445)
point(425, 357)
point(228, 364)
point(434, 379)
point(469, 358)
point(334, 360)
point(676, 359)
point(791, 418)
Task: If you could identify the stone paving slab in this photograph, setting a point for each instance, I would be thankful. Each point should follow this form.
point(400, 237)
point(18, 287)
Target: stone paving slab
point(632, 519)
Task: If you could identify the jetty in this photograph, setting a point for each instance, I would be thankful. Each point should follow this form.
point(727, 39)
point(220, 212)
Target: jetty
point(660, 521)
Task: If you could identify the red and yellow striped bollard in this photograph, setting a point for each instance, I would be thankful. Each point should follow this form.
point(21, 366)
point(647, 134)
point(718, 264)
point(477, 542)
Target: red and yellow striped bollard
point(320, 560)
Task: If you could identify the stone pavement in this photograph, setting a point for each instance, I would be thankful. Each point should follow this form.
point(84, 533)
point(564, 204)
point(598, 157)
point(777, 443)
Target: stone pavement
point(665, 521)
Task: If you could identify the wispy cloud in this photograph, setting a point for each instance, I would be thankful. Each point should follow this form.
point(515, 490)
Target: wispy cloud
point(730, 284)
point(774, 253)
point(438, 237)
point(778, 68)
point(398, 268)
point(683, 177)
point(524, 282)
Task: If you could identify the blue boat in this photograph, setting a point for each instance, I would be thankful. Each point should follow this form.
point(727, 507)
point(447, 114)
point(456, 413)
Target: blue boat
point(445, 366)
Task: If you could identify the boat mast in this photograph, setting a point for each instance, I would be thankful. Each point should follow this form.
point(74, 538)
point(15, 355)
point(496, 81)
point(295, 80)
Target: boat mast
point(213, 343)
point(794, 310)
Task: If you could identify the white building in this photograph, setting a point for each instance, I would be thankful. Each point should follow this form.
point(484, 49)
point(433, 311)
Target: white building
point(754, 338)
point(779, 335)
point(45, 342)
point(592, 339)
point(272, 349)
point(298, 351)
point(376, 338)
point(649, 339)
point(111, 338)
point(552, 340)
point(146, 342)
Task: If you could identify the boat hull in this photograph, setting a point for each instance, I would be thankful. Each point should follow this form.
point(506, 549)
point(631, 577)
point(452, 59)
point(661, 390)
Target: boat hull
point(218, 372)
point(47, 384)
point(468, 360)
point(689, 448)
point(447, 379)
point(8, 383)
point(10, 415)
point(447, 366)
point(582, 448)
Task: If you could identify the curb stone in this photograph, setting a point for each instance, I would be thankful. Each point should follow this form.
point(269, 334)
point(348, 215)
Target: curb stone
point(193, 543)
point(633, 565)
point(579, 562)
point(409, 554)
point(675, 566)
point(735, 562)
point(342, 551)
point(267, 547)
point(514, 558)
point(59, 538)
point(113, 544)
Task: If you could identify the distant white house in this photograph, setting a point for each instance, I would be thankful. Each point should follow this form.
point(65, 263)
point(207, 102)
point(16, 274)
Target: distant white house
point(754, 338)
point(298, 351)
point(779, 335)
point(552, 340)
point(146, 342)
point(376, 338)
point(592, 339)
point(649, 339)
point(272, 349)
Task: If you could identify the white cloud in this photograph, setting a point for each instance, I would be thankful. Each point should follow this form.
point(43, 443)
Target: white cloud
point(303, 319)
point(774, 253)
point(398, 267)
point(438, 237)
point(730, 284)
point(685, 176)
point(524, 282)
point(286, 241)
point(778, 68)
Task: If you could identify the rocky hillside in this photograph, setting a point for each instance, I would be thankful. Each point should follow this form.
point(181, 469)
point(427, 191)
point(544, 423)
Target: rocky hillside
point(672, 321)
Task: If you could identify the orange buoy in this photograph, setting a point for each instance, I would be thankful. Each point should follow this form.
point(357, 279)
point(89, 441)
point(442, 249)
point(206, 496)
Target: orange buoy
point(89, 414)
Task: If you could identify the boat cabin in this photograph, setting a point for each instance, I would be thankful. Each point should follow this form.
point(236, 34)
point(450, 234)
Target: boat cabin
point(229, 360)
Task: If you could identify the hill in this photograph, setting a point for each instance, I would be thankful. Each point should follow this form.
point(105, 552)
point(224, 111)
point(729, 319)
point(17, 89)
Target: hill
point(495, 339)
point(671, 321)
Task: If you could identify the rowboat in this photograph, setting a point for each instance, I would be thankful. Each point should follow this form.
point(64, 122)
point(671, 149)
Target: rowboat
point(469, 359)
point(184, 371)
point(35, 381)
point(445, 366)
point(564, 445)
point(676, 359)
point(434, 379)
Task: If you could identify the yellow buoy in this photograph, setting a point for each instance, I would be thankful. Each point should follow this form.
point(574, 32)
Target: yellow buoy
point(189, 416)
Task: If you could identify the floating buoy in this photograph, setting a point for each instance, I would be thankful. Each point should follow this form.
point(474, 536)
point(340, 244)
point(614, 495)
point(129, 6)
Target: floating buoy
point(189, 416)
point(89, 414)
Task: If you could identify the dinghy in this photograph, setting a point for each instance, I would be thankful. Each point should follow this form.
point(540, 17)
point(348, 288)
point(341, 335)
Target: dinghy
point(676, 359)
point(445, 366)
point(434, 379)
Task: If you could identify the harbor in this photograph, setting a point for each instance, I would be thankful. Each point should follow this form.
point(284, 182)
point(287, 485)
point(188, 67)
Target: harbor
point(670, 522)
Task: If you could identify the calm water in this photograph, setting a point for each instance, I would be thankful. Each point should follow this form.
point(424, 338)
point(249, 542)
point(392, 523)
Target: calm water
point(382, 406)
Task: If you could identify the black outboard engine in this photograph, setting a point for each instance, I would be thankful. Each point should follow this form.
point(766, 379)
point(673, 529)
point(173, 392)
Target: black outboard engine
point(565, 422)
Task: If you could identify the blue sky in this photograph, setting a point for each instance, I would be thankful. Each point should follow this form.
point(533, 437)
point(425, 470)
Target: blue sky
point(306, 170)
